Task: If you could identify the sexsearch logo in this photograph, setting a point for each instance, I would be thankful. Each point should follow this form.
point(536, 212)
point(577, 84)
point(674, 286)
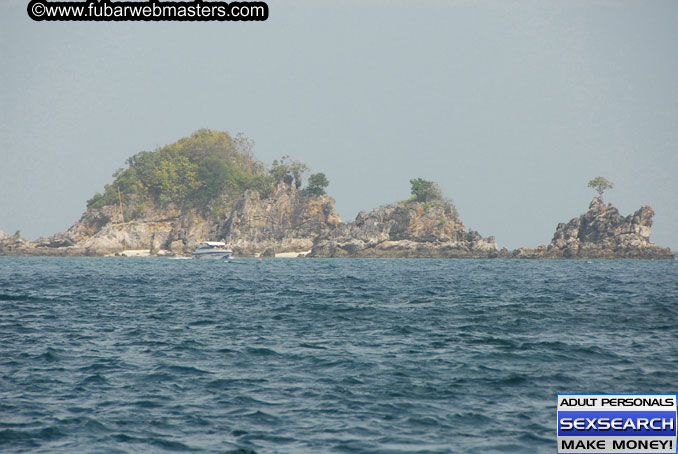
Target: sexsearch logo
point(616, 423)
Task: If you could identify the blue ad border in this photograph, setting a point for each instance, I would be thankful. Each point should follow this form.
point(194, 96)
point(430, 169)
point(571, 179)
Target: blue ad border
point(603, 394)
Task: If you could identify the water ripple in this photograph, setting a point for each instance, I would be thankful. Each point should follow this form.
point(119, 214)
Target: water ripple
point(308, 356)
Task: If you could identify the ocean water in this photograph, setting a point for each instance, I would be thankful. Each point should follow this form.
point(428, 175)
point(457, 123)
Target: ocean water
point(115, 355)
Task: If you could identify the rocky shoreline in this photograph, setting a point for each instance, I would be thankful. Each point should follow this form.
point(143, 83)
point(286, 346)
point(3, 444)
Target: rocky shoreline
point(602, 233)
point(291, 222)
point(209, 186)
point(405, 230)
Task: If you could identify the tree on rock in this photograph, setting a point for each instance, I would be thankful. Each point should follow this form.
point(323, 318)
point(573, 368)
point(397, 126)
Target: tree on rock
point(317, 184)
point(600, 184)
point(429, 193)
point(425, 191)
point(288, 171)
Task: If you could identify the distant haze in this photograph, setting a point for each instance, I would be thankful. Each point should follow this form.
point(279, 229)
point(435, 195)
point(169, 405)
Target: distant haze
point(511, 106)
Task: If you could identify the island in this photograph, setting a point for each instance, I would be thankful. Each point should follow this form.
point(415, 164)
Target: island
point(209, 186)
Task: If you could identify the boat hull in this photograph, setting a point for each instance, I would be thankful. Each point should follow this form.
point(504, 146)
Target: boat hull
point(212, 255)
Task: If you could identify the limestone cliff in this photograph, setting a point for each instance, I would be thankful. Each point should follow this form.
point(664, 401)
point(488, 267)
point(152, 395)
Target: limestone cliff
point(602, 233)
point(405, 230)
point(288, 220)
point(13, 244)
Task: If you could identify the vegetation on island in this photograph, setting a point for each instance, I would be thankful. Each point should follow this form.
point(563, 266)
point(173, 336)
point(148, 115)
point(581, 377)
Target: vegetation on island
point(600, 184)
point(430, 194)
point(317, 184)
point(288, 171)
point(197, 173)
point(425, 191)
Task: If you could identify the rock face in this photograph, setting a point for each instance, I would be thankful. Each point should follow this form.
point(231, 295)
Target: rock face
point(404, 230)
point(13, 244)
point(102, 231)
point(602, 233)
point(287, 221)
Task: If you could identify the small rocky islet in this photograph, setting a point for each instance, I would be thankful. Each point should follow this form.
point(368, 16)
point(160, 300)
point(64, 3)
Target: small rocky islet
point(261, 211)
point(602, 233)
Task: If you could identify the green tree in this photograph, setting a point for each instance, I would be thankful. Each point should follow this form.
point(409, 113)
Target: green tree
point(317, 184)
point(280, 170)
point(298, 169)
point(600, 184)
point(425, 191)
point(288, 171)
point(190, 173)
point(197, 173)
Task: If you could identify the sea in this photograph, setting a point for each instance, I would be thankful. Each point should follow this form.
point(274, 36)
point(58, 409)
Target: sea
point(155, 355)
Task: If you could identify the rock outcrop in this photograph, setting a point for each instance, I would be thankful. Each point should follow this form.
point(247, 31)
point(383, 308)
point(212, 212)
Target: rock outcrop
point(288, 220)
point(13, 244)
point(602, 233)
point(103, 232)
point(405, 230)
point(291, 221)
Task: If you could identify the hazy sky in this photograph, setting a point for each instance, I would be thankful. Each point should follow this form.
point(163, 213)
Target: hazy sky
point(511, 106)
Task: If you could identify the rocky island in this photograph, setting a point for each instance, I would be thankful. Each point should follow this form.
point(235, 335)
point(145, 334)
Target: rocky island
point(414, 229)
point(207, 186)
point(210, 187)
point(601, 233)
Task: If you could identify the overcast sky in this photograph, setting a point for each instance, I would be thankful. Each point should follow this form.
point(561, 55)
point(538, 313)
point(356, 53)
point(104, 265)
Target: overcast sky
point(511, 106)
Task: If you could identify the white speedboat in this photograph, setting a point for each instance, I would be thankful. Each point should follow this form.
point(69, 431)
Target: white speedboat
point(212, 249)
